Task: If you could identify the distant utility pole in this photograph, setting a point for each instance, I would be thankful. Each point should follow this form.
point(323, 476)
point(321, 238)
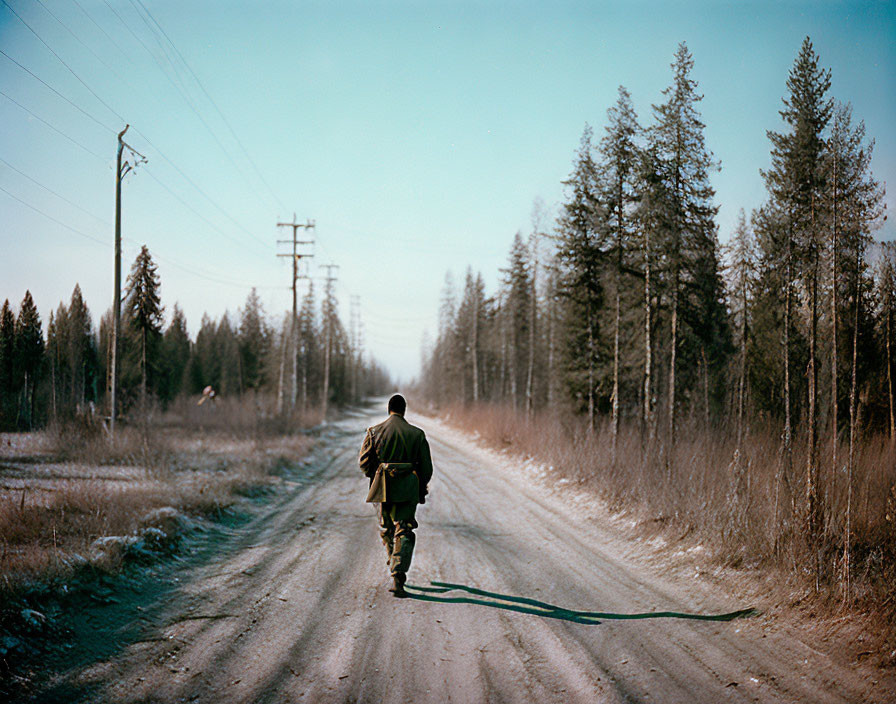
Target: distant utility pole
point(121, 171)
point(328, 297)
point(294, 328)
point(355, 324)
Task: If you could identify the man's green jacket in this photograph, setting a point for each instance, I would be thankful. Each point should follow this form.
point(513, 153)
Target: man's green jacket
point(395, 457)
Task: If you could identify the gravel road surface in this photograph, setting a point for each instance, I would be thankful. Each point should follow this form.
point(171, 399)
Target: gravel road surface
point(516, 597)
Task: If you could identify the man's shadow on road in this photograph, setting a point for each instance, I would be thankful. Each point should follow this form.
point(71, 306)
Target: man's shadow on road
point(539, 608)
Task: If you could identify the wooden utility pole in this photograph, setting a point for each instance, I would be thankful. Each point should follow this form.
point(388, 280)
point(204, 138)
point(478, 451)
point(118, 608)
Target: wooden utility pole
point(296, 259)
point(121, 170)
point(328, 315)
point(355, 325)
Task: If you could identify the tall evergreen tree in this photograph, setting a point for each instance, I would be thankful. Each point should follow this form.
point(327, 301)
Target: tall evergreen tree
point(254, 341)
point(742, 271)
point(81, 352)
point(619, 161)
point(690, 242)
point(175, 356)
point(797, 182)
point(28, 358)
point(143, 314)
point(310, 348)
point(581, 230)
point(517, 303)
point(7, 350)
point(887, 296)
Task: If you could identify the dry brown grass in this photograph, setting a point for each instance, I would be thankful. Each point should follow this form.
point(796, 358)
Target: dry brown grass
point(63, 490)
point(699, 489)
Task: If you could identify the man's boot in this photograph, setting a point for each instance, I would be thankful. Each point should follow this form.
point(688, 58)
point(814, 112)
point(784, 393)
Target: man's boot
point(397, 587)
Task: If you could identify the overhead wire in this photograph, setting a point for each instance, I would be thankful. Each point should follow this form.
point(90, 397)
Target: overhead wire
point(111, 40)
point(180, 89)
point(78, 39)
point(62, 61)
point(70, 102)
point(112, 131)
point(52, 127)
point(58, 222)
point(105, 243)
point(214, 104)
point(50, 190)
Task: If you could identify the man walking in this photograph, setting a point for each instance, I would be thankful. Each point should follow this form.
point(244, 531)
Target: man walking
point(395, 457)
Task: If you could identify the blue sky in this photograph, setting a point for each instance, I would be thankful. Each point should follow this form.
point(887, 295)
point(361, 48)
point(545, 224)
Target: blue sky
point(417, 135)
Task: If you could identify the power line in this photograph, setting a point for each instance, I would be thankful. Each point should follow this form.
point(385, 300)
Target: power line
point(58, 222)
point(78, 39)
point(50, 190)
point(181, 91)
point(110, 129)
point(195, 185)
point(130, 240)
point(111, 40)
point(70, 102)
point(214, 104)
point(103, 159)
point(192, 209)
point(55, 129)
point(62, 61)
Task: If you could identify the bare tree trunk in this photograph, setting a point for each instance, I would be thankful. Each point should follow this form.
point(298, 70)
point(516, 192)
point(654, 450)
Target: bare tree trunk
point(835, 393)
point(590, 370)
point(787, 447)
point(672, 359)
point(533, 317)
point(475, 346)
point(742, 376)
point(648, 348)
point(705, 387)
point(550, 371)
point(616, 370)
point(890, 374)
point(143, 375)
point(282, 371)
point(813, 504)
point(850, 466)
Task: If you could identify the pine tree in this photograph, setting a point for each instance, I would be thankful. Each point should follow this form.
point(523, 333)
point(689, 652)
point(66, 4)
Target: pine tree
point(856, 201)
point(887, 296)
point(254, 341)
point(143, 313)
point(28, 357)
point(742, 271)
point(81, 355)
point(582, 229)
point(518, 302)
point(7, 349)
point(227, 352)
point(175, 356)
point(690, 243)
point(619, 161)
point(310, 349)
point(797, 182)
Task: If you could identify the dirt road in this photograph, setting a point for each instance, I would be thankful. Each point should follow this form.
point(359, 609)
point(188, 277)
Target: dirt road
point(517, 598)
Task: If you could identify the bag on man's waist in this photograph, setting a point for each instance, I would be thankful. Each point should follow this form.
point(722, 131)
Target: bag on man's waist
point(394, 481)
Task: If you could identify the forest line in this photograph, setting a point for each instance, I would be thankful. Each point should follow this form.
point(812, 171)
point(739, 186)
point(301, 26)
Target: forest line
point(64, 373)
point(769, 358)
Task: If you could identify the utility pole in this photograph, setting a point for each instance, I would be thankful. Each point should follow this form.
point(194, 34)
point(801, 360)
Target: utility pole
point(296, 258)
point(121, 170)
point(328, 315)
point(355, 325)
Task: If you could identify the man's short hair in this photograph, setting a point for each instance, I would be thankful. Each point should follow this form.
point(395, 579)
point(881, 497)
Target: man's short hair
point(397, 404)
